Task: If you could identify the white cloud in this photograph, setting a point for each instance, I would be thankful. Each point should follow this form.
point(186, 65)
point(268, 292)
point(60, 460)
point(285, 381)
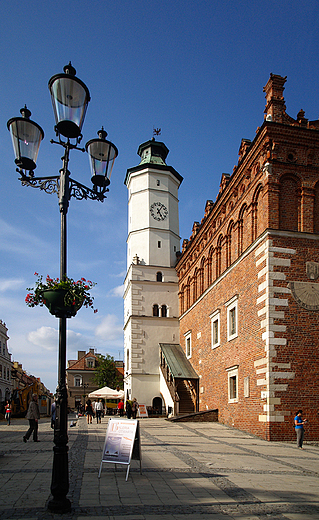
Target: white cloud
point(110, 329)
point(117, 291)
point(44, 337)
point(47, 338)
point(11, 284)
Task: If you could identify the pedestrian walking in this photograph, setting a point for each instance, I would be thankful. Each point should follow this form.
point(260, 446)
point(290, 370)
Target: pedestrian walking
point(134, 407)
point(8, 413)
point(33, 414)
point(89, 411)
point(98, 410)
point(128, 408)
point(299, 422)
point(120, 407)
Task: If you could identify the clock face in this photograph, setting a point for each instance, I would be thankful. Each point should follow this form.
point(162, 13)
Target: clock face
point(158, 211)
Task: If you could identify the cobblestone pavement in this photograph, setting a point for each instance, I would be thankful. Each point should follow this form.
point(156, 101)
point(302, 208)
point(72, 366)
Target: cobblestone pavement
point(190, 471)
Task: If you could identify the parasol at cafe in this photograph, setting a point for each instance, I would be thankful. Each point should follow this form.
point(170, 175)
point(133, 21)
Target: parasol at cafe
point(107, 393)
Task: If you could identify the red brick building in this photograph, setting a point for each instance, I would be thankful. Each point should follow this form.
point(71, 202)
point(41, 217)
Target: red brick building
point(248, 281)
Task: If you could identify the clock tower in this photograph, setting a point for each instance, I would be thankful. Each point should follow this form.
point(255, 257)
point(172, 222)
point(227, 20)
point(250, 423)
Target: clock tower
point(151, 283)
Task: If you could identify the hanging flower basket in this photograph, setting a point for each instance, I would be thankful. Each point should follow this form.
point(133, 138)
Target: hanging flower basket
point(54, 300)
point(62, 298)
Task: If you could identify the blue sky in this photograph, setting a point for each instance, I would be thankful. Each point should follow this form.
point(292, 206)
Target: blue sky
point(195, 69)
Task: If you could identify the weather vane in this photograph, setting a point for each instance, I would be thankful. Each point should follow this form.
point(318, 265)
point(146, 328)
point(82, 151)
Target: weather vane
point(156, 131)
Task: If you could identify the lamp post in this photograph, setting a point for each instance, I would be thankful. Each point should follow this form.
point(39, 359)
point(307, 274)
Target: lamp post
point(85, 386)
point(70, 98)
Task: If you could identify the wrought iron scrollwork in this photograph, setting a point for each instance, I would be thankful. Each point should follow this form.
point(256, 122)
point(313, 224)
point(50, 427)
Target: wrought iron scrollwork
point(47, 184)
point(79, 191)
point(52, 185)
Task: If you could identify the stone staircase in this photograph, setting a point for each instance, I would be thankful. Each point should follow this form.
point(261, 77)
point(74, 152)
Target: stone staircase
point(186, 404)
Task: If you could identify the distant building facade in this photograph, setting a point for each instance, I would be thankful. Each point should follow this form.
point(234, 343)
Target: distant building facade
point(5, 365)
point(79, 376)
point(249, 281)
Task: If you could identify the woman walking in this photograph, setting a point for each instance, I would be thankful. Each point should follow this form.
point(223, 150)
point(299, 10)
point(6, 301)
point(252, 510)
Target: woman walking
point(8, 413)
point(89, 411)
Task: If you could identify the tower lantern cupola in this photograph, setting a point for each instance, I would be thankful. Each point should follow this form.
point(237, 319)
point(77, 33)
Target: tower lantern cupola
point(153, 152)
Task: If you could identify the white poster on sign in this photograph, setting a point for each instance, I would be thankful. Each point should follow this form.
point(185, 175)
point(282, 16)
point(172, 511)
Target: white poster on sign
point(122, 437)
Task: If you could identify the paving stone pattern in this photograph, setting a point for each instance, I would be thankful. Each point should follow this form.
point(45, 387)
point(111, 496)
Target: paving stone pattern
point(190, 471)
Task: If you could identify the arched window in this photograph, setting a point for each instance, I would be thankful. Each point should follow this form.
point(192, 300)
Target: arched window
point(155, 310)
point(164, 311)
point(182, 299)
point(219, 256)
point(202, 281)
point(255, 224)
point(188, 291)
point(229, 244)
point(159, 276)
point(241, 236)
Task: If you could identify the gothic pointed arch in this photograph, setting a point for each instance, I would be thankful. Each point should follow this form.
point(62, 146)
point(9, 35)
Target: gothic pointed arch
point(195, 286)
point(209, 266)
point(229, 244)
point(182, 299)
point(188, 293)
point(255, 224)
point(202, 281)
point(219, 256)
point(289, 203)
point(241, 224)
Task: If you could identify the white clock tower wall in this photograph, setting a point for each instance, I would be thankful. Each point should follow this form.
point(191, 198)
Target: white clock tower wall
point(151, 283)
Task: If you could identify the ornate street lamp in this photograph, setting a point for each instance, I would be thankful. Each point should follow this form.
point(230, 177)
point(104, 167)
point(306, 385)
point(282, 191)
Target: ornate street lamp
point(70, 98)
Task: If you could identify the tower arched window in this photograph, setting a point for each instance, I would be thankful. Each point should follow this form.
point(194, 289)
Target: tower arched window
point(164, 311)
point(159, 276)
point(155, 310)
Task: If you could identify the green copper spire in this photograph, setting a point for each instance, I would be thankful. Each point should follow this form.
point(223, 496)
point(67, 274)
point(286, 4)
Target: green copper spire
point(153, 152)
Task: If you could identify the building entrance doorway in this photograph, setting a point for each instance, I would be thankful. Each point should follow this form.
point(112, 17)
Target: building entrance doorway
point(157, 405)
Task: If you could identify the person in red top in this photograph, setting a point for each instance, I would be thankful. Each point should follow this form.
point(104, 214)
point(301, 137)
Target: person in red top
point(8, 413)
point(120, 407)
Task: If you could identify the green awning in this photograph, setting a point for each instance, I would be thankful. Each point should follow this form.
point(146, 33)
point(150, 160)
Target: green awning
point(177, 362)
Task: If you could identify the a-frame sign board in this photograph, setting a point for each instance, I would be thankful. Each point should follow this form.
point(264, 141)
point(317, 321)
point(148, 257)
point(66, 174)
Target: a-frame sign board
point(122, 443)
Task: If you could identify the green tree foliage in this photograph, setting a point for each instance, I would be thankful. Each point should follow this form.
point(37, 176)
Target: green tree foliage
point(106, 373)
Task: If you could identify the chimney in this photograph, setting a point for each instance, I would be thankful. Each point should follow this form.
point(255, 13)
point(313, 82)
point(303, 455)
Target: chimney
point(81, 354)
point(275, 102)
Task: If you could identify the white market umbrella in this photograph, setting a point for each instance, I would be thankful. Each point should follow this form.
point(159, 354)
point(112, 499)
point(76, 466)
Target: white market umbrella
point(107, 393)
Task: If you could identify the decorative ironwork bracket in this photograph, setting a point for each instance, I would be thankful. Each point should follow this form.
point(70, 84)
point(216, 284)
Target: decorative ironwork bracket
point(52, 185)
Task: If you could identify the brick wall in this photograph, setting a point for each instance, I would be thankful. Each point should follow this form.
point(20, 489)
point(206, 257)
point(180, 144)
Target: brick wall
point(251, 250)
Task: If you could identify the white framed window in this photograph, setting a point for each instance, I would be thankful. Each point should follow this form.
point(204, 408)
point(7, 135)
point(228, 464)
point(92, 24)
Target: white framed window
point(90, 362)
point(232, 318)
point(188, 344)
point(233, 384)
point(77, 380)
point(215, 328)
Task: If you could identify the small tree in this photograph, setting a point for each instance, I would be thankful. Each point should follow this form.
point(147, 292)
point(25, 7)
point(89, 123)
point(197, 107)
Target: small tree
point(106, 373)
